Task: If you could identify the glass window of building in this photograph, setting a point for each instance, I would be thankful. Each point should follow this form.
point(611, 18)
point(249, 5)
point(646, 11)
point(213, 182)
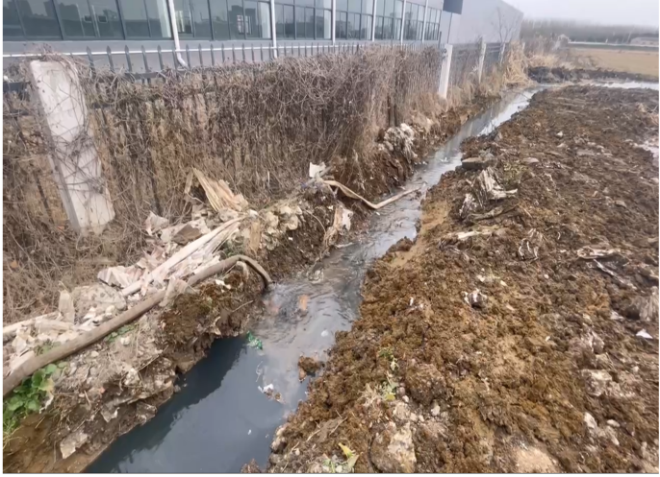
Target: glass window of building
point(90, 18)
point(11, 21)
point(433, 25)
point(304, 19)
point(219, 20)
point(284, 21)
point(388, 26)
point(414, 20)
point(145, 18)
point(358, 18)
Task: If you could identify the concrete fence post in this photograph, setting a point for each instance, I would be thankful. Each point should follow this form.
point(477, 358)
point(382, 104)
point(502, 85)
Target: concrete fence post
point(445, 69)
point(403, 22)
point(482, 57)
point(502, 52)
point(372, 33)
point(334, 23)
point(426, 9)
point(273, 28)
point(73, 157)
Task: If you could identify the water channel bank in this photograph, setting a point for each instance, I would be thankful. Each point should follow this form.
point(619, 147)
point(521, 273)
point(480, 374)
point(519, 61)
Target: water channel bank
point(220, 420)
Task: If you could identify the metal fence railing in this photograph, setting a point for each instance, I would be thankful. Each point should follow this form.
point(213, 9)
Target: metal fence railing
point(464, 62)
point(492, 57)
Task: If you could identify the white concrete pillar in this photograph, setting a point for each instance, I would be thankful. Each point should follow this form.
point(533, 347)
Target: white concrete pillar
point(443, 88)
point(334, 23)
point(482, 56)
point(403, 21)
point(273, 28)
point(373, 19)
point(73, 156)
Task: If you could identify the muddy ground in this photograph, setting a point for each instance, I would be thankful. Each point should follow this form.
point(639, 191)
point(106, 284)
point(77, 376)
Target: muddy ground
point(95, 403)
point(519, 332)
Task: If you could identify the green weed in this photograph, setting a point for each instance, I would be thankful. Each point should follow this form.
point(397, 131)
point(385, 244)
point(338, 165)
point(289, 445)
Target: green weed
point(27, 398)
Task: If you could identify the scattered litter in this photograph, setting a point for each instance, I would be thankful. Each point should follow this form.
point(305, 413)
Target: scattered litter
point(644, 334)
point(476, 299)
point(618, 279)
point(490, 189)
point(72, 442)
point(615, 316)
point(155, 223)
point(120, 276)
point(66, 307)
point(316, 172)
point(469, 206)
point(220, 195)
point(560, 134)
point(589, 253)
point(253, 341)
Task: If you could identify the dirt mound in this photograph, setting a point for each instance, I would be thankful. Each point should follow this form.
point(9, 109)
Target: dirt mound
point(544, 74)
point(510, 335)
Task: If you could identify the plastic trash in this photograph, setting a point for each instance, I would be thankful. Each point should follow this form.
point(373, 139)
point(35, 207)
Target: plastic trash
point(253, 341)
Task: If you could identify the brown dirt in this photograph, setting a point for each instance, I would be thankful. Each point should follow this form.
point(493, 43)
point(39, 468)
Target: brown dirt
point(308, 366)
point(377, 173)
point(536, 375)
point(191, 325)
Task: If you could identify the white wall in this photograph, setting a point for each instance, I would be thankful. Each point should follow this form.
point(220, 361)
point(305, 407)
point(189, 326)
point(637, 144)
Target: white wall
point(494, 20)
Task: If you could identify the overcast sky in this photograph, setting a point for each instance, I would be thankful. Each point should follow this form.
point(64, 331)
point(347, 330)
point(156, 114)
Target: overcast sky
point(628, 12)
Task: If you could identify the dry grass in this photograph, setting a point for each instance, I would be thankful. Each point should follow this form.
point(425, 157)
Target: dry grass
point(255, 126)
point(641, 62)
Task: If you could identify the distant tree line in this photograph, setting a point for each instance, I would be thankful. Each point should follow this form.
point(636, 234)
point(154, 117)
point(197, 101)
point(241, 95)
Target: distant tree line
point(578, 31)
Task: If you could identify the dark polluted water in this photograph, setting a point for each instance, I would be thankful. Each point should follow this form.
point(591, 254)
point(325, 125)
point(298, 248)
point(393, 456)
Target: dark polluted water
point(220, 419)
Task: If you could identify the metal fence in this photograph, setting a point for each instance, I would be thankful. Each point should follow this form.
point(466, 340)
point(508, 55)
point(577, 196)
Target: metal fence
point(492, 57)
point(464, 62)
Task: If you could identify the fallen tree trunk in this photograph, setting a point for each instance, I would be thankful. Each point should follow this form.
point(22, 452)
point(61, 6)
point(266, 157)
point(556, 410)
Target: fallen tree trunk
point(86, 339)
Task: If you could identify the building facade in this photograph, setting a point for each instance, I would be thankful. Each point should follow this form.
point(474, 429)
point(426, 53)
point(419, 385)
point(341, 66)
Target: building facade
point(75, 25)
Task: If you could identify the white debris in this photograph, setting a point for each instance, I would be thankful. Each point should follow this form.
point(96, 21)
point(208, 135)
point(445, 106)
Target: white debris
point(120, 276)
point(155, 223)
point(644, 334)
point(66, 307)
point(490, 189)
point(19, 344)
point(407, 130)
point(96, 296)
point(469, 206)
point(560, 134)
point(590, 421)
point(615, 316)
point(476, 299)
point(72, 442)
point(316, 171)
point(346, 218)
point(597, 381)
